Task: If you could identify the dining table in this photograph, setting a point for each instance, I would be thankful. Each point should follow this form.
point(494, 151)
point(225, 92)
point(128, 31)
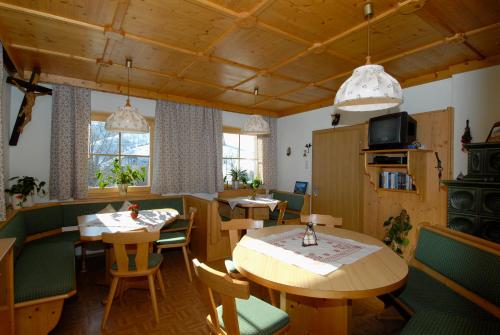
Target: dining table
point(318, 283)
point(252, 208)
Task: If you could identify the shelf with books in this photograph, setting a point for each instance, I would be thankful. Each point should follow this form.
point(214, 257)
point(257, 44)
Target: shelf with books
point(397, 170)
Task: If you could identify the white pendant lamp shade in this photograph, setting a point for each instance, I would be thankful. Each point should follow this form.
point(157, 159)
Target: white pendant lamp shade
point(127, 120)
point(256, 125)
point(369, 88)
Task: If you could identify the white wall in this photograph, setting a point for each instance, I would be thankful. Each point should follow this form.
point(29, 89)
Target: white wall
point(475, 96)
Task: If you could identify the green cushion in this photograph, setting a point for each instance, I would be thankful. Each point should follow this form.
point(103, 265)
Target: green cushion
point(225, 218)
point(153, 260)
point(43, 219)
point(178, 224)
point(437, 323)
point(288, 216)
point(270, 223)
point(474, 269)
point(230, 267)
point(15, 228)
point(257, 317)
point(174, 237)
point(295, 201)
point(69, 236)
point(422, 292)
point(44, 270)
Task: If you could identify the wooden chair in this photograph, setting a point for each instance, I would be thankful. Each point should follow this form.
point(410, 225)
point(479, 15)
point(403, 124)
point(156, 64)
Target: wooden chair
point(282, 208)
point(239, 313)
point(142, 263)
point(321, 220)
point(178, 239)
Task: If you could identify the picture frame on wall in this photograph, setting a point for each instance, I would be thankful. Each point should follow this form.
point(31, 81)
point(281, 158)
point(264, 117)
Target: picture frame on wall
point(494, 135)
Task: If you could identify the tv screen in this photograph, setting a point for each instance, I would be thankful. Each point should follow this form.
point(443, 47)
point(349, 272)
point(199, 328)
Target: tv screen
point(391, 131)
point(385, 131)
point(300, 187)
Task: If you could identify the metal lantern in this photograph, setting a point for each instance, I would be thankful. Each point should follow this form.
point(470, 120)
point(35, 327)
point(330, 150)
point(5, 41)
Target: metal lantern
point(309, 236)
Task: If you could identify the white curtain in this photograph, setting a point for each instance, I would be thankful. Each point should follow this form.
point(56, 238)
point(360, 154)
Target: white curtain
point(69, 142)
point(187, 149)
point(267, 155)
point(2, 157)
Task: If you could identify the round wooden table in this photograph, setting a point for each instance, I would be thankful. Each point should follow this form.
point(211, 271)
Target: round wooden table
point(322, 304)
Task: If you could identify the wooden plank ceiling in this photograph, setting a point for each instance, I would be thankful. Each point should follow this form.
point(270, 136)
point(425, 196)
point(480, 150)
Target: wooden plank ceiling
point(214, 52)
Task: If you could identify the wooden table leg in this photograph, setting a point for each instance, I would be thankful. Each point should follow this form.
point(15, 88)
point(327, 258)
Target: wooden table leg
point(318, 316)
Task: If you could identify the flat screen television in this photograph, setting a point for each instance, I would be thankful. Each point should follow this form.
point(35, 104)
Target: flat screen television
point(391, 131)
point(300, 187)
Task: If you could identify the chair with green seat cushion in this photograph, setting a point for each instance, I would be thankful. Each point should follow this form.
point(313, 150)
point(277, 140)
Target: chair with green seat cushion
point(138, 264)
point(177, 225)
point(44, 269)
point(281, 214)
point(432, 322)
point(178, 239)
point(239, 313)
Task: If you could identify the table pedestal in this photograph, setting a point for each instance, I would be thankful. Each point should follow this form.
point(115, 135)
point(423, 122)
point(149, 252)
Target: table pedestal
point(318, 316)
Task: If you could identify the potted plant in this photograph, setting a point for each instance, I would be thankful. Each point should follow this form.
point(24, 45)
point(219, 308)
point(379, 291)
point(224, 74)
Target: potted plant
point(244, 177)
point(256, 183)
point(134, 211)
point(397, 229)
point(122, 176)
point(238, 176)
point(22, 191)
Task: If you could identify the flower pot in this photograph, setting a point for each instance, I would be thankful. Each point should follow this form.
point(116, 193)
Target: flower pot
point(19, 201)
point(122, 188)
point(134, 215)
point(236, 184)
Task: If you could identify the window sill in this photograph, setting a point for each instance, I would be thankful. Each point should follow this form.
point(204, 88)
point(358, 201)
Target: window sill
point(112, 192)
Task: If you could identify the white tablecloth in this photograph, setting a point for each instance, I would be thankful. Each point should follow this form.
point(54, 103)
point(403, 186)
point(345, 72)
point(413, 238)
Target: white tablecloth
point(329, 255)
point(271, 203)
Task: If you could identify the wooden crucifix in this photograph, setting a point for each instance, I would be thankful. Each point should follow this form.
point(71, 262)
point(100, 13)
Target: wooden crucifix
point(31, 90)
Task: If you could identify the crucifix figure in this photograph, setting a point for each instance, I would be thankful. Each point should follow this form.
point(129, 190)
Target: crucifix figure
point(31, 90)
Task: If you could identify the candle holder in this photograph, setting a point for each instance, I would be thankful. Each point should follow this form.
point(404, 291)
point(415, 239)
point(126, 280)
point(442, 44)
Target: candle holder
point(309, 236)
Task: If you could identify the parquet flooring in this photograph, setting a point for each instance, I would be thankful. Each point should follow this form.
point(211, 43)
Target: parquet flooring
point(184, 311)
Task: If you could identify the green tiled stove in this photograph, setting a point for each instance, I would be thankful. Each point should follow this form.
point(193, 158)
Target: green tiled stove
point(474, 201)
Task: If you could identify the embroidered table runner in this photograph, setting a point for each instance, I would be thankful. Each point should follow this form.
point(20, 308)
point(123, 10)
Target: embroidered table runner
point(152, 220)
point(271, 203)
point(329, 255)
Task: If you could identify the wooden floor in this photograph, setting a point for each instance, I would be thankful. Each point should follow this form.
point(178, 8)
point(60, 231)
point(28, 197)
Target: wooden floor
point(183, 312)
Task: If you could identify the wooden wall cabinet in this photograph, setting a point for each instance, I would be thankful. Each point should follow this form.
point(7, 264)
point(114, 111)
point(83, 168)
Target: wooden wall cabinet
point(7, 286)
point(415, 166)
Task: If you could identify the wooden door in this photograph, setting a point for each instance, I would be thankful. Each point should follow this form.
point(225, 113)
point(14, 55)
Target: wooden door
point(337, 174)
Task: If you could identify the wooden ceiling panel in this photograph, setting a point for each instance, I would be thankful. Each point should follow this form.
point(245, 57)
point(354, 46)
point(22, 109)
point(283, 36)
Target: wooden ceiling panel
point(58, 65)
point(315, 67)
point(117, 75)
point(430, 60)
point(257, 47)
point(236, 5)
point(91, 11)
point(309, 95)
point(487, 43)
point(463, 15)
point(389, 36)
point(176, 22)
point(270, 85)
point(335, 83)
point(277, 105)
point(318, 20)
point(222, 74)
point(239, 98)
point(38, 32)
point(150, 57)
point(189, 89)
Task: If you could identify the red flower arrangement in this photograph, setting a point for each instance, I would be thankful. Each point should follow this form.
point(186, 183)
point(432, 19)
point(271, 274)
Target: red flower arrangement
point(134, 211)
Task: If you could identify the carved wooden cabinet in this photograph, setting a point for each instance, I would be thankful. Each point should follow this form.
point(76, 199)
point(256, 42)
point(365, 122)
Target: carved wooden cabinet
point(474, 202)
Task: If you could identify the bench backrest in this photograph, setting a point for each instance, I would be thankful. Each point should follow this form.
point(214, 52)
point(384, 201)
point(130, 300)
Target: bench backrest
point(295, 201)
point(15, 228)
point(471, 267)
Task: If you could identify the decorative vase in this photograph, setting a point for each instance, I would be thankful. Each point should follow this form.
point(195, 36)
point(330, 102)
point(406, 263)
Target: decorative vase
point(134, 215)
point(19, 201)
point(122, 188)
point(236, 184)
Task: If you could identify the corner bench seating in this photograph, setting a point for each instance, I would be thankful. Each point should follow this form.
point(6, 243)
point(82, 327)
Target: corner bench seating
point(453, 285)
point(297, 204)
point(44, 256)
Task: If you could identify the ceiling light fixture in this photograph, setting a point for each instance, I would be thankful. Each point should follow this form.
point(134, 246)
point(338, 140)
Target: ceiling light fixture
point(369, 88)
point(127, 119)
point(255, 124)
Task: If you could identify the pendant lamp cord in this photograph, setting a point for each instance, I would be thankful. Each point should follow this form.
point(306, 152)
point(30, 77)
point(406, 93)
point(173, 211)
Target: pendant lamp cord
point(368, 13)
point(129, 65)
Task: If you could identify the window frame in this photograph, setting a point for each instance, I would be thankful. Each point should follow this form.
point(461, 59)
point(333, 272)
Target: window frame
point(111, 191)
point(235, 130)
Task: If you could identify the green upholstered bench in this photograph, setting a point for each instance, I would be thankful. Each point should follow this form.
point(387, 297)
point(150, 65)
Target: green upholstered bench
point(296, 204)
point(456, 279)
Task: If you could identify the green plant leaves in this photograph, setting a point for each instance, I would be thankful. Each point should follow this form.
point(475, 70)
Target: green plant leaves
point(121, 175)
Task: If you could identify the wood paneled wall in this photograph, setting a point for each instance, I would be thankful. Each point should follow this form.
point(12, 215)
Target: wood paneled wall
point(435, 130)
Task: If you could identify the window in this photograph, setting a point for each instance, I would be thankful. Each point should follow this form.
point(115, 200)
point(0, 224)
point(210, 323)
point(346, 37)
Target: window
point(239, 151)
point(104, 147)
